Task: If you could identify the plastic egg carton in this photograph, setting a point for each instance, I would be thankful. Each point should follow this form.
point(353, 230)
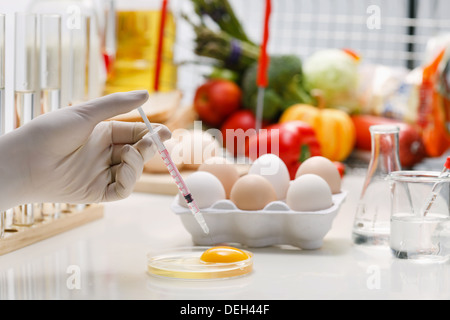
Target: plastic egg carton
point(276, 224)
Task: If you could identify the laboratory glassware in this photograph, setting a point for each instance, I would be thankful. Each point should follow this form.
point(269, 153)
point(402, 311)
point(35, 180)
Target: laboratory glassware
point(109, 41)
point(372, 218)
point(50, 78)
point(25, 86)
point(445, 173)
point(135, 66)
point(25, 67)
point(2, 100)
point(50, 62)
point(80, 48)
point(76, 50)
point(2, 73)
point(420, 229)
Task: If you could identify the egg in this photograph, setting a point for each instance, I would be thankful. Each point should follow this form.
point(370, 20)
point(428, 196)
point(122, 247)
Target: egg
point(324, 168)
point(198, 146)
point(224, 170)
point(205, 188)
point(252, 192)
point(223, 254)
point(271, 167)
point(156, 163)
point(309, 192)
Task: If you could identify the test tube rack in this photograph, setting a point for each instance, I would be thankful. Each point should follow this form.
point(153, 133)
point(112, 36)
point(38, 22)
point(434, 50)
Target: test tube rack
point(21, 236)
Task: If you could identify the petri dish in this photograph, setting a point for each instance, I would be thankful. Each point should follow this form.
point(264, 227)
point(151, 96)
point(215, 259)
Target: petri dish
point(184, 263)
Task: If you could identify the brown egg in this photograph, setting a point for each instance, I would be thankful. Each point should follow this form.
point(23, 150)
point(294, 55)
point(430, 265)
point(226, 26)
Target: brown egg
point(252, 192)
point(324, 168)
point(224, 170)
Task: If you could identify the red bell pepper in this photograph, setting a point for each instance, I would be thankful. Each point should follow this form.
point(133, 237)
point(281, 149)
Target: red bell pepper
point(340, 167)
point(293, 142)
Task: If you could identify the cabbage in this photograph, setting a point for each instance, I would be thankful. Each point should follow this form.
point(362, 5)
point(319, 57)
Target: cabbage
point(335, 73)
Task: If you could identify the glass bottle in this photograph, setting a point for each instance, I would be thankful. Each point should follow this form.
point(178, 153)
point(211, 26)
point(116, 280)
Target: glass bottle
point(372, 220)
point(138, 50)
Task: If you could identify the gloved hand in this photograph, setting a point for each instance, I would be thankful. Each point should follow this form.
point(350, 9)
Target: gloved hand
point(71, 156)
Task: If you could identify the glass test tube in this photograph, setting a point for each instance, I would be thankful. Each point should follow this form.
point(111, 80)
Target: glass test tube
point(78, 47)
point(75, 49)
point(50, 62)
point(2, 73)
point(2, 100)
point(25, 67)
point(50, 79)
point(2, 224)
point(25, 85)
point(109, 33)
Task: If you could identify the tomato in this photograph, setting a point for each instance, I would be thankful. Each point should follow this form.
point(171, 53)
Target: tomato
point(411, 146)
point(216, 99)
point(234, 139)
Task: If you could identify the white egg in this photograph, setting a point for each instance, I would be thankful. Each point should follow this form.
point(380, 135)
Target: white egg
point(272, 168)
point(205, 188)
point(309, 192)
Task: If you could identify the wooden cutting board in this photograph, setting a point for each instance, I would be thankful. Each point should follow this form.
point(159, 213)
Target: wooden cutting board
point(162, 183)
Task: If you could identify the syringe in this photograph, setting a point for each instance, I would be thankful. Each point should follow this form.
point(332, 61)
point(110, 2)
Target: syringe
point(173, 170)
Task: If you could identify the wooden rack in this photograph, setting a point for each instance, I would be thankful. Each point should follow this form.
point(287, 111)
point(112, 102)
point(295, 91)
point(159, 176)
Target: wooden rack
point(19, 237)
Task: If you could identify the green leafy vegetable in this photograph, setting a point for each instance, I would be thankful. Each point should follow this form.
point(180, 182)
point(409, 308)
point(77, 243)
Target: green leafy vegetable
point(286, 86)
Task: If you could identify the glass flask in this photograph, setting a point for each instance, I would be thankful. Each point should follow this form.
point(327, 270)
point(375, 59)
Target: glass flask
point(141, 61)
point(372, 220)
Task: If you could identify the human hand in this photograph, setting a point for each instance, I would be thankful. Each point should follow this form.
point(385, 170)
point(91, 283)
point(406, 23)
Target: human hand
point(72, 156)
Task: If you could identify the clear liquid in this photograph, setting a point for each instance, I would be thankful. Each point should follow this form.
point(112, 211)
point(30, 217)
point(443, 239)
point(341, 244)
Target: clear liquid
point(50, 100)
point(415, 237)
point(24, 215)
point(366, 234)
point(24, 107)
point(2, 223)
point(2, 111)
point(371, 225)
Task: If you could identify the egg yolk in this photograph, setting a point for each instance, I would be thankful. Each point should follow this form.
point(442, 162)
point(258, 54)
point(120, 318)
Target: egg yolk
point(223, 254)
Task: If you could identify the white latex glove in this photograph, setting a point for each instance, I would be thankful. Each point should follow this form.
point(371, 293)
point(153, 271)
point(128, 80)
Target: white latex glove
point(71, 156)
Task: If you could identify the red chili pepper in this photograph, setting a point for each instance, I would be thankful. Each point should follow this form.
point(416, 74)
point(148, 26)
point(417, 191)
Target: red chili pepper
point(293, 142)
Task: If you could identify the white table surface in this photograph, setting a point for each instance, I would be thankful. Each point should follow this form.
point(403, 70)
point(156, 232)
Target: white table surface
point(107, 259)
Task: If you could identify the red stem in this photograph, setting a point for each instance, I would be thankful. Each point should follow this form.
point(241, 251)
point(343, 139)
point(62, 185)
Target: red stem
point(263, 80)
point(160, 44)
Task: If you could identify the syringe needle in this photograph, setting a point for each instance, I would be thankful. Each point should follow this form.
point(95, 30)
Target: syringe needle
point(197, 214)
point(175, 174)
